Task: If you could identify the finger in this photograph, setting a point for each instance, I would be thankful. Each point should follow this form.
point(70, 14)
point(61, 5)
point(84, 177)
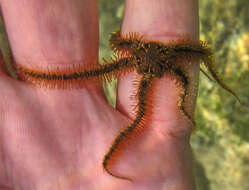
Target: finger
point(52, 35)
point(164, 21)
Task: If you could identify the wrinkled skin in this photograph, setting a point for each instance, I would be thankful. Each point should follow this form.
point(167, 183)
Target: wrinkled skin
point(56, 139)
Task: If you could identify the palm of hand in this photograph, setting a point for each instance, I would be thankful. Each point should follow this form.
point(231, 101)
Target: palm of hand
point(53, 136)
point(54, 139)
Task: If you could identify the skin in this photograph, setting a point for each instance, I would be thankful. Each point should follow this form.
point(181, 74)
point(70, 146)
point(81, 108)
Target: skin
point(56, 139)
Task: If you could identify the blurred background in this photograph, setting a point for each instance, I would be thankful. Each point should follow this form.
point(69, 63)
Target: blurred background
point(221, 143)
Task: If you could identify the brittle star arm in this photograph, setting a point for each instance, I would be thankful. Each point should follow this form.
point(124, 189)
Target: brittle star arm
point(210, 66)
point(202, 52)
point(138, 122)
point(206, 74)
point(61, 79)
point(185, 82)
point(123, 43)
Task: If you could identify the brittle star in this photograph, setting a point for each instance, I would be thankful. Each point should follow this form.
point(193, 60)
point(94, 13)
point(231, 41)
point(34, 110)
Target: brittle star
point(150, 60)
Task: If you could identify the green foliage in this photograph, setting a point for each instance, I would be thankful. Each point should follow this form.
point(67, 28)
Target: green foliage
point(221, 143)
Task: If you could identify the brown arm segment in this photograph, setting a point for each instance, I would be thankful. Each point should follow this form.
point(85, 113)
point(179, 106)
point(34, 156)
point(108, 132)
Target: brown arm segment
point(77, 77)
point(206, 74)
point(184, 83)
point(210, 66)
point(201, 51)
point(120, 43)
point(138, 122)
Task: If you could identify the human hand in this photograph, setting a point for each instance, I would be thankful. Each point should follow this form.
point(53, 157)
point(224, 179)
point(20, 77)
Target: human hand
point(56, 139)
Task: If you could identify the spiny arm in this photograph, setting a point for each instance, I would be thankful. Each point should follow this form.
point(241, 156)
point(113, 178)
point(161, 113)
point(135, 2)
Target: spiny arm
point(200, 51)
point(210, 66)
point(62, 79)
point(142, 94)
point(207, 75)
point(120, 43)
point(185, 83)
